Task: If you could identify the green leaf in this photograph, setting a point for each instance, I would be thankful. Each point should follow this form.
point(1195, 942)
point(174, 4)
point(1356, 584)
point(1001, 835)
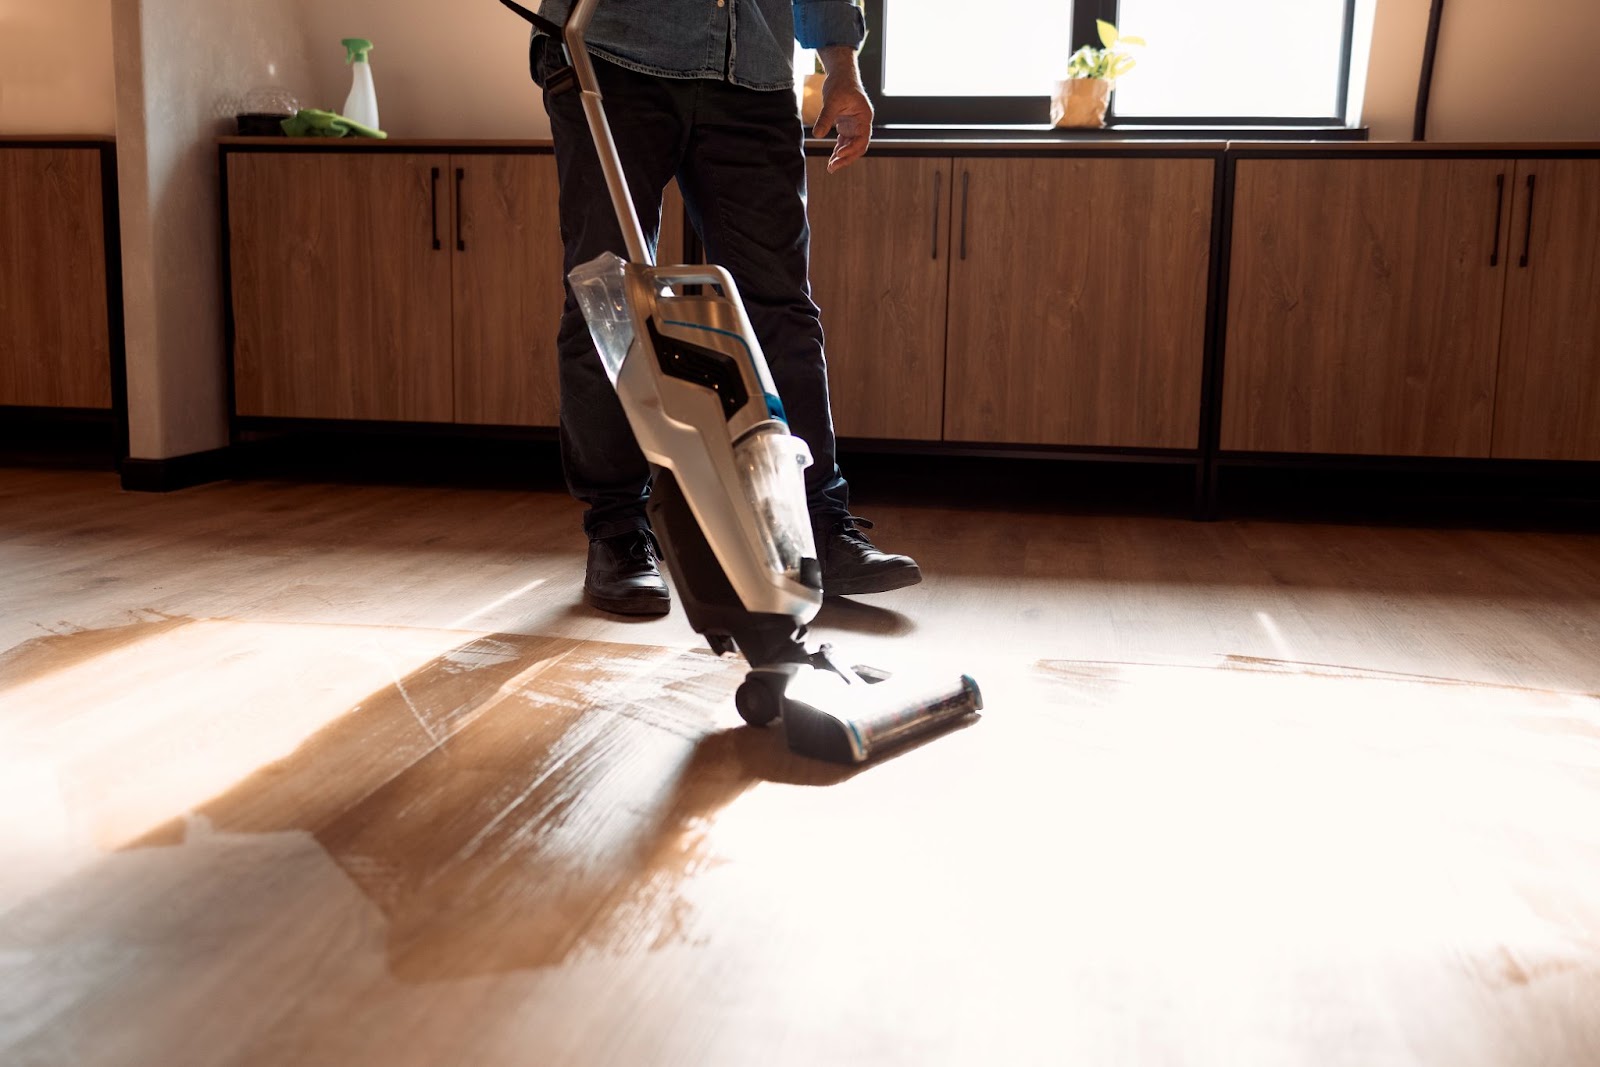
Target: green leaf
point(1133, 40)
point(1108, 33)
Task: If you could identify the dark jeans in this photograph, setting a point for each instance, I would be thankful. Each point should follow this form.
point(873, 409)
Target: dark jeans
point(737, 155)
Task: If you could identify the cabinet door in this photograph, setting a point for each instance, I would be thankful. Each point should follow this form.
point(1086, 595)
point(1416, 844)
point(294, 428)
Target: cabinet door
point(1548, 403)
point(55, 348)
point(1078, 301)
point(1364, 306)
point(880, 253)
point(508, 290)
point(341, 298)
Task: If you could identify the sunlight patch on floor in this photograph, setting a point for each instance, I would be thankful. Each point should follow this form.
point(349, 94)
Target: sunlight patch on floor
point(98, 752)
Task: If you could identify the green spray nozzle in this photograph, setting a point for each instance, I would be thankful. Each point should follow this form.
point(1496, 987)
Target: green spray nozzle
point(356, 49)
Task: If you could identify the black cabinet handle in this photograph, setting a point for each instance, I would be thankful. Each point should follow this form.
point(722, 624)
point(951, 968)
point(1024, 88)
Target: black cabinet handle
point(938, 187)
point(436, 244)
point(461, 240)
point(1527, 237)
point(965, 177)
point(1499, 216)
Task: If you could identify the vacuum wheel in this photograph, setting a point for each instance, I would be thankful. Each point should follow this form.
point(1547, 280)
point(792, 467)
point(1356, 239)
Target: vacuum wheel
point(757, 702)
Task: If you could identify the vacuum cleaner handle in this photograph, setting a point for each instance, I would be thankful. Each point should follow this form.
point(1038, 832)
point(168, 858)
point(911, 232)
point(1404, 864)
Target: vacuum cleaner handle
point(689, 274)
point(540, 23)
point(605, 145)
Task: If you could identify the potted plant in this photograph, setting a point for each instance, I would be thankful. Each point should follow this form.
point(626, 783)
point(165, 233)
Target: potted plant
point(1081, 99)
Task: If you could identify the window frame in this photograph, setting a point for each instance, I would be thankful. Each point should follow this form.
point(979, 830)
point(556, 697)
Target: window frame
point(952, 111)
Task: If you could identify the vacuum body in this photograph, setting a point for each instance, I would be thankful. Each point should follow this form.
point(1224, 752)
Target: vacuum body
point(728, 500)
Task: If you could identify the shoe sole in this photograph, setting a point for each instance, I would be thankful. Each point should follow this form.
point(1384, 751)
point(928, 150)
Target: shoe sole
point(638, 606)
point(881, 582)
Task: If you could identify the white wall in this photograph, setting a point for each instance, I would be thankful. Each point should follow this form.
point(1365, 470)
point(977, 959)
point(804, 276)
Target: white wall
point(1399, 32)
point(460, 71)
point(183, 69)
point(1523, 71)
point(455, 71)
point(1528, 70)
point(55, 67)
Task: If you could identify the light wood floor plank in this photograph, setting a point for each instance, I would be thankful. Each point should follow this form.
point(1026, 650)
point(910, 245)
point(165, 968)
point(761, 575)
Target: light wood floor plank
point(331, 774)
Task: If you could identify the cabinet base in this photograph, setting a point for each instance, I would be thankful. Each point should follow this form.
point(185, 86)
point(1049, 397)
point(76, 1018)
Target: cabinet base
point(176, 472)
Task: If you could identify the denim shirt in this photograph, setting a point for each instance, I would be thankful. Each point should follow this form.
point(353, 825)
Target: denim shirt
point(746, 42)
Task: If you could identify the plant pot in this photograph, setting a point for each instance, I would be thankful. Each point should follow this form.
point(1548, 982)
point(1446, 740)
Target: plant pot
point(811, 99)
point(1081, 103)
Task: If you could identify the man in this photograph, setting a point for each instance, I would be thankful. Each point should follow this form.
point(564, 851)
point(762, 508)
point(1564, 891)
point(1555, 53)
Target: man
point(703, 90)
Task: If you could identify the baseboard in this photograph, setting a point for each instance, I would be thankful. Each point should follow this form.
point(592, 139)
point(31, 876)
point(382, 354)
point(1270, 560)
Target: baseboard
point(80, 438)
point(176, 472)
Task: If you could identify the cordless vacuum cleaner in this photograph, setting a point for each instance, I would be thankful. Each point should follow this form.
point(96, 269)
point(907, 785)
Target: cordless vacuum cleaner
point(728, 501)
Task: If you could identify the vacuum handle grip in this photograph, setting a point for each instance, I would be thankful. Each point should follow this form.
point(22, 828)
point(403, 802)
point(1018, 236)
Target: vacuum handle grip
point(693, 274)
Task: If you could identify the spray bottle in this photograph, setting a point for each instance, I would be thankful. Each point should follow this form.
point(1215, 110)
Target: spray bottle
point(362, 104)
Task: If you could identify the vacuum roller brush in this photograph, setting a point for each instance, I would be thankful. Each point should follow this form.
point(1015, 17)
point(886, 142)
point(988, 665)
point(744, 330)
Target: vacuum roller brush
point(842, 715)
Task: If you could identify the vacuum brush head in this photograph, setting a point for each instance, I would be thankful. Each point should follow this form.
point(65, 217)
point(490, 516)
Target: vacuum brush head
point(828, 718)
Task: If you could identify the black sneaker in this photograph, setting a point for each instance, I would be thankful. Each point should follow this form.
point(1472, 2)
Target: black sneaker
point(624, 577)
point(851, 564)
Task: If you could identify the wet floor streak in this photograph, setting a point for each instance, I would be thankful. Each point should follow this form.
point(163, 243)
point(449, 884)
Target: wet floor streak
point(520, 799)
point(513, 833)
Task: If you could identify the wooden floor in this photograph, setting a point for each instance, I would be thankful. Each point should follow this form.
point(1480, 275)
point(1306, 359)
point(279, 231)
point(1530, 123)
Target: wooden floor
point(328, 774)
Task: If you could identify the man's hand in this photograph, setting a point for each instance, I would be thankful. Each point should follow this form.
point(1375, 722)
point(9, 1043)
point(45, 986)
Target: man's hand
point(844, 105)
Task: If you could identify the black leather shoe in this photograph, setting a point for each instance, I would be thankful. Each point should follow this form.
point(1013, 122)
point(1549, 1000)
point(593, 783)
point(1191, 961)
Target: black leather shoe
point(851, 564)
point(624, 577)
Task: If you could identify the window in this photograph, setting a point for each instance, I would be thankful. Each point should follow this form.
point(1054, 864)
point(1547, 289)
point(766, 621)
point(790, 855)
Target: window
point(1293, 63)
point(956, 63)
point(981, 57)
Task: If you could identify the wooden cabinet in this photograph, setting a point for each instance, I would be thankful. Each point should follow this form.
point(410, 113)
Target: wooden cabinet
point(1023, 301)
point(880, 257)
point(1442, 307)
point(508, 291)
point(1548, 401)
point(1364, 309)
point(1077, 304)
point(1377, 299)
point(341, 268)
point(55, 342)
point(399, 286)
point(426, 287)
point(508, 288)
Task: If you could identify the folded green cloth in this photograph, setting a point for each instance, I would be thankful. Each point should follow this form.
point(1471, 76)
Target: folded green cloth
point(310, 122)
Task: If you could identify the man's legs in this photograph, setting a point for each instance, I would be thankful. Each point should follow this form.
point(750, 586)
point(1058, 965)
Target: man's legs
point(743, 180)
point(603, 465)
